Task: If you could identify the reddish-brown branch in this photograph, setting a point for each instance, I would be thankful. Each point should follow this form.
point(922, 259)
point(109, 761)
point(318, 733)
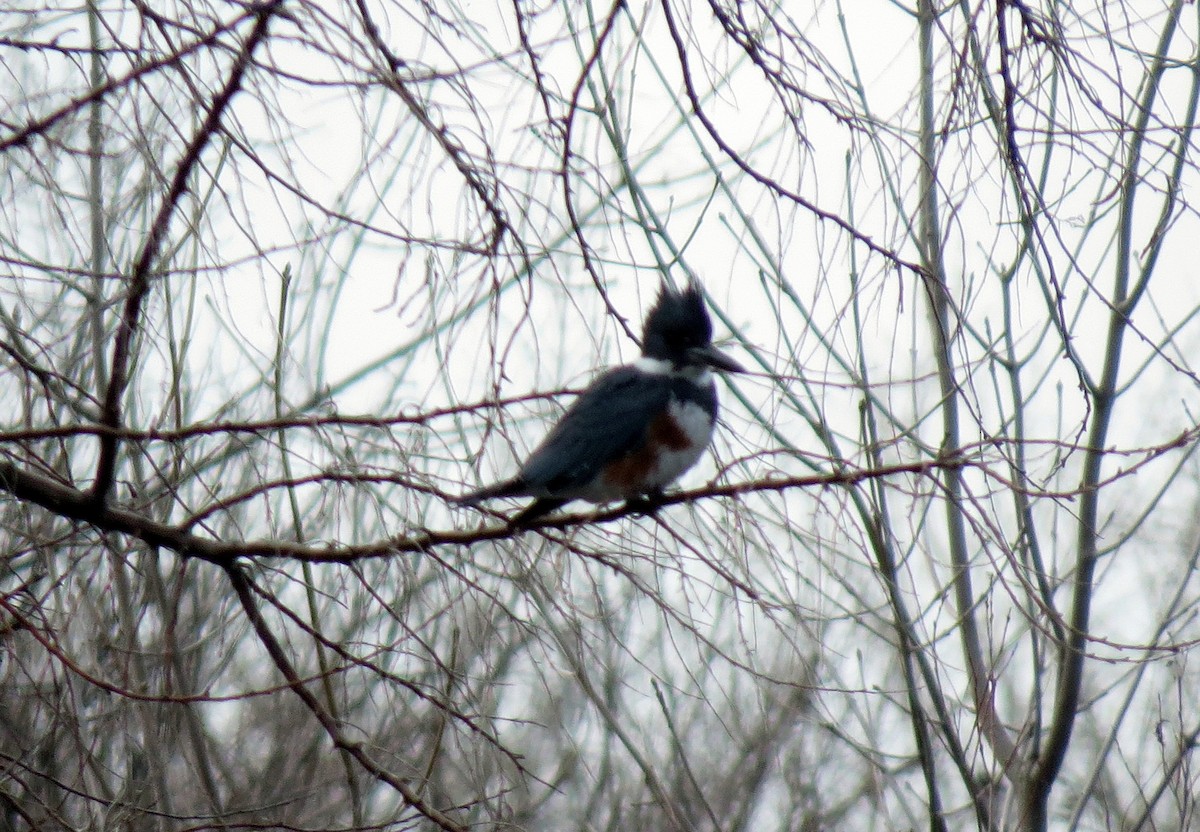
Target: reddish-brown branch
point(418, 418)
point(139, 281)
point(442, 135)
point(40, 126)
point(568, 124)
point(67, 501)
point(767, 182)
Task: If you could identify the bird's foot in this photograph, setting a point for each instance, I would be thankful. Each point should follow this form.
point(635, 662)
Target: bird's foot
point(645, 504)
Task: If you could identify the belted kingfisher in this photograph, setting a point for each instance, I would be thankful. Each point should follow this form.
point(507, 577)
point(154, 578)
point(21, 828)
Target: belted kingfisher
point(637, 427)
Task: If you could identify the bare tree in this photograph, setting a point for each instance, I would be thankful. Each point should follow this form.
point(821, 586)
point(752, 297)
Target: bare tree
point(282, 277)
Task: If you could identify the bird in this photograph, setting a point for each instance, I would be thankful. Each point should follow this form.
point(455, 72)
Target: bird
point(637, 427)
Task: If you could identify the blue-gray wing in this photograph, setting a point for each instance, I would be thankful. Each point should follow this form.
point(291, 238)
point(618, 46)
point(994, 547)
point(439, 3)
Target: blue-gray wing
point(609, 419)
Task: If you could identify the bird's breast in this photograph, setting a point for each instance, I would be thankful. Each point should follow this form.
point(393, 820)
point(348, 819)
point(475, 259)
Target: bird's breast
point(685, 432)
point(675, 439)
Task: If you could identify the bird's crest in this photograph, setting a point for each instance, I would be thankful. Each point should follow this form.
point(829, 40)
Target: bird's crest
point(676, 323)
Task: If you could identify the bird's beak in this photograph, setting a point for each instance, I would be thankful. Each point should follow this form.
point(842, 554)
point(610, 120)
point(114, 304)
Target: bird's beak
point(713, 357)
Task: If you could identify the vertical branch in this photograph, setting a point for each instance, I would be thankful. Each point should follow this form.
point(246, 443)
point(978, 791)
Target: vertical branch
point(99, 244)
point(1103, 394)
point(310, 591)
point(942, 323)
point(882, 544)
point(139, 281)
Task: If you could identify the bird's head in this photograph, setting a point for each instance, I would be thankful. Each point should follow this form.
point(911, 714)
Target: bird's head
point(678, 330)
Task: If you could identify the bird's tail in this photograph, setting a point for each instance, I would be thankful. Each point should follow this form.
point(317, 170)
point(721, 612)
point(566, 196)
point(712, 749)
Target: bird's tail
point(508, 488)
